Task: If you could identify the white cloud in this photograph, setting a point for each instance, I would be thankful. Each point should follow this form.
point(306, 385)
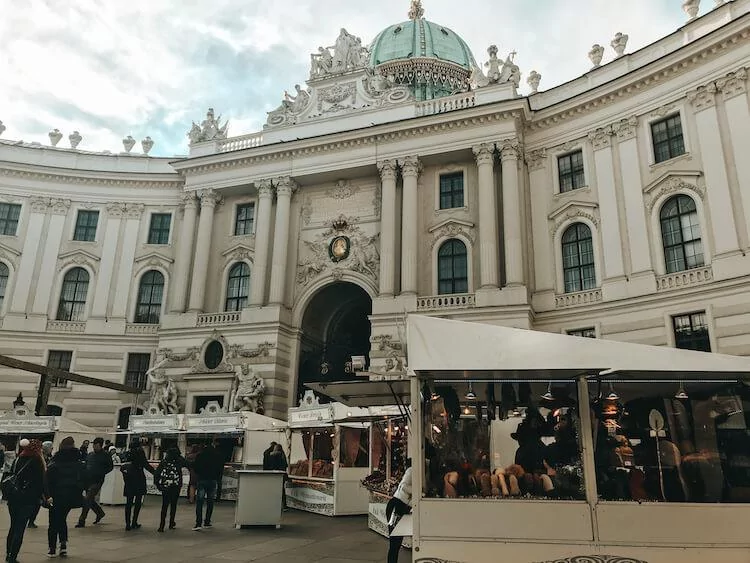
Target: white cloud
point(149, 67)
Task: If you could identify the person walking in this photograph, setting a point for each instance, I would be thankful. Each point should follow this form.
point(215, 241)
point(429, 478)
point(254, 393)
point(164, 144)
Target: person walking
point(47, 456)
point(24, 494)
point(209, 468)
point(66, 482)
point(399, 505)
point(168, 479)
point(193, 482)
point(135, 484)
point(98, 464)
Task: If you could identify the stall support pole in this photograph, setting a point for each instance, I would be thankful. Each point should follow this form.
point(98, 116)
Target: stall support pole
point(416, 452)
point(587, 454)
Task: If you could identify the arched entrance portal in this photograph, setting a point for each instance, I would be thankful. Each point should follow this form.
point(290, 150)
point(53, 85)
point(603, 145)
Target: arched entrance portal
point(335, 327)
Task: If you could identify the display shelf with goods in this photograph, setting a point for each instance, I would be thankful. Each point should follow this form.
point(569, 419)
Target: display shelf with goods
point(594, 441)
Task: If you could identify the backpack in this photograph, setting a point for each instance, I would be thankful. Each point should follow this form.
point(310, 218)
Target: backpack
point(169, 476)
point(12, 487)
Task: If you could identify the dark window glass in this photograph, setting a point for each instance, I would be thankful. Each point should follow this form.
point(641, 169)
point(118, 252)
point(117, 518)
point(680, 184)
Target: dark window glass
point(135, 375)
point(238, 287)
point(214, 354)
point(243, 225)
point(72, 306)
point(86, 223)
point(570, 171)
point(150, 294)
point(4, 275)
point(453, 271)
point(691, 332)
point(667, 138)
point(583, 332)
point(59, 359)
point(681, 234)
point(451, 190)
point(9, 214)
point(158, 232)
point(578, 258)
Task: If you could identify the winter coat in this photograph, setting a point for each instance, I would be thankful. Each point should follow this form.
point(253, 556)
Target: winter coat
point(403, 492)
point(30, 471)
point(98, 464)
point(66, 479)
point(209, 465)
point(133, 473)
point(169, 465)
point(277, 461)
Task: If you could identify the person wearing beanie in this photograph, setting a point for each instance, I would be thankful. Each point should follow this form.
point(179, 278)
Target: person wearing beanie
point(98, 464)
point(66, 481)
point(29, 493)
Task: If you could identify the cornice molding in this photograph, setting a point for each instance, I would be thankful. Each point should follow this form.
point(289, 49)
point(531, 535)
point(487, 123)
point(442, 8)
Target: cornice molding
point(85, 178)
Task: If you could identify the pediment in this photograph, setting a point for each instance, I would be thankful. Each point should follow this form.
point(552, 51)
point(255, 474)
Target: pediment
point(674, 176)
point(448, 222)
point(672, 183)
point(154, 258)
point(239, 252)
point(79, 255)
point(9, 251)
point(571, 207)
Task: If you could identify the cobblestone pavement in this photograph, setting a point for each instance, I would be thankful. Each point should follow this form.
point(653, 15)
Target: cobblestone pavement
point(303, 537)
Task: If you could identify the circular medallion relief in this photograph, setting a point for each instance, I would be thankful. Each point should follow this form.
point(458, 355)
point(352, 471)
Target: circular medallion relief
point(339, 248)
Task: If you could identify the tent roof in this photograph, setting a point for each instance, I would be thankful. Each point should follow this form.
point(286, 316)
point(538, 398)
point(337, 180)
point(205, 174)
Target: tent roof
point(70, 426)
point(255, 421)
point(364, 393)
point(448, 349)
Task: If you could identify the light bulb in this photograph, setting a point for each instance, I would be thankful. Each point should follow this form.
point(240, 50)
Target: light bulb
point(613, 396)
point(470, 393)
point(548, 396)
point(681, 393)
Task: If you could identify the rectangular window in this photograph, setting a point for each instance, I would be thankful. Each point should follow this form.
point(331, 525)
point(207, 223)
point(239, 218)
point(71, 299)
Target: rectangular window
point(9, 214)
point(570, 171)
point(691, 332)
point(86, 223)
point(666, 136)
point(135, 374)
point(59, 359)
point(583, 332)
point(451, 190)
point(243, 224)
point(158, 232)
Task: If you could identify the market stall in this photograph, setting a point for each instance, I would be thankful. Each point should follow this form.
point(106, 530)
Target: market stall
point(329, 458)
point(538, 446)
point(21, 422)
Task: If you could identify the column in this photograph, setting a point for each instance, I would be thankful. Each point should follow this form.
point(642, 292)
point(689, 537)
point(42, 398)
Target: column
point(387, 170)
point(512, 233)
point(25, 276)
point(733, 88)
point(262, 239)
point(632, 187)
point(717, 183)
point(285, 187)
point(209, 199)
point(184, 253)
point(410, 169)
point(132, 213)
point(488, 240)
point(601, 140)
point(55, 230)
point(107, 265)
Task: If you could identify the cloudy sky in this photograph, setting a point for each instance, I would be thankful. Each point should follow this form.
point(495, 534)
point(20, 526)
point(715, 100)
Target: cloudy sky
point(111, 68)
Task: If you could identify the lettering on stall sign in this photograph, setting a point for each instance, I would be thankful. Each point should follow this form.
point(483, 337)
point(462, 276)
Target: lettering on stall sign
point(310, 415)
point(157, 423)
point(309, 495)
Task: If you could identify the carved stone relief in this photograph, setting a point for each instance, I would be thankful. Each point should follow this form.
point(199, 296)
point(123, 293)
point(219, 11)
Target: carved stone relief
point(601, 137)
point(733, 84)
point(263, 350)
point(625, 128)
point(452, 229)
point(703, 97)
point(536, 159)
point(54, 205)
point(671, 186)
point(342, 190)
point(573, 211)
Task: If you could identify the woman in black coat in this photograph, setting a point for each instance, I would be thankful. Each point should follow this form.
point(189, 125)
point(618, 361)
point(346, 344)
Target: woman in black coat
point(66, 481)
point(29, 470)
point(135, 484)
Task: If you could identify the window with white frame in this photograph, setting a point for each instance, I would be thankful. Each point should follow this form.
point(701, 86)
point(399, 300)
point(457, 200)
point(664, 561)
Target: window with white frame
point(75, 287)
point(453, 269)
point(9, 214)
point(681, 234)
point(451, 190)
point(158, 232)
point(4, 276)
point(691, 332)
point(243, 223)
point(238, 287)
point(150, 295)
point(578, 258)
point(86, 223)
point(570, 171)
point(667, 139)
point(589, 332)
point(59, 359)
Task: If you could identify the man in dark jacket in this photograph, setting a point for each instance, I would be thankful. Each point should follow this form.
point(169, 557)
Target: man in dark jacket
point(98, 464)
point(209, 469)
point(267, 455)
point(66, 481)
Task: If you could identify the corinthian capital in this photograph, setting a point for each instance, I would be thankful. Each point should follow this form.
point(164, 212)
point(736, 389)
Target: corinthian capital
point(387, 169)
point(484, 153)
point(625, 128)
point(411, 166)
point(601, 137)
point(210, 198)
point(40, 204)
point(189, 200)
point(733, 84)
point(536, 159)
point(510, 149)
point(703, 97)
point(285, 186)
point(264, 187)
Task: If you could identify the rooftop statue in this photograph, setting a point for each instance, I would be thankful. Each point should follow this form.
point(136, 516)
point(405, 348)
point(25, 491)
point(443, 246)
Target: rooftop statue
point(500, 71)
point(297, 103)
point(348, 54)
point(210, 129)
point(321, 63)
point(416, 11)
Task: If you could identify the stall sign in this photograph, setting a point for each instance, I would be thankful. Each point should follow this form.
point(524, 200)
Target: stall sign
point(154, 424)
point(22, 420)
point(216, 423)
point(302, 417)
point(311, 497)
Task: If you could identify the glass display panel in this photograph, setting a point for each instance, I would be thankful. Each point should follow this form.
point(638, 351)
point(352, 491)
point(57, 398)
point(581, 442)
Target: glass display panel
point(354, 447)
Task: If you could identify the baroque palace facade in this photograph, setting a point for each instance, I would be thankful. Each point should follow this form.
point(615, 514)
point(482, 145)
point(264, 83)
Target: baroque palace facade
point(405, 178)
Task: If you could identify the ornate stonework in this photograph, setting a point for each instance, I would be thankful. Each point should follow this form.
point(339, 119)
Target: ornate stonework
point(662, 111)
point(601, 137)
point(210, 198)
point(451, 228)
point(53, 205)
point(387, 169)
point(670, 186)
point(126, 210)
point(626, 128)
point(238, 252)
point(411, 166)
point(262, 350)
point(536, 159)
point(572, 211)
point(703, 97)
point(510, 149)
point(285, 186)
point(210, 129)
point(733, 84)
point(342, 190)
point(484, 153)
point(264, 187)
point(77, 258)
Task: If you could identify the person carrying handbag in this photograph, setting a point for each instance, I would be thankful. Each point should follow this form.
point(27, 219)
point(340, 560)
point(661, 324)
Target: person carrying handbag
point(66, 482)
point(23, 488)
point(134, 480)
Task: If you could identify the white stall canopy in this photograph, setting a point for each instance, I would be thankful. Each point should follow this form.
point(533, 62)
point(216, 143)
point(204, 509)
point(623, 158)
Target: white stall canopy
point(459, 350)
point(365, 393)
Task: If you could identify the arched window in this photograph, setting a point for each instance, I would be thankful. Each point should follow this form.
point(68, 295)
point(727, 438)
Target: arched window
point(4, 275)
point(453, 270)
point(681, 234)
point(238, 287)
point(578, 258)
point(150, 294)
point(75, 287)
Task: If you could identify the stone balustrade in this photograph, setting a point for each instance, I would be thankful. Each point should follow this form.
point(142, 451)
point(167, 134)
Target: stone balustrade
point(446, 302)
point(138, 328)
point(215, 319)
point(578, 298)
point(442, 105)
point(66, 326)
point(238, 143)
point(684, 278)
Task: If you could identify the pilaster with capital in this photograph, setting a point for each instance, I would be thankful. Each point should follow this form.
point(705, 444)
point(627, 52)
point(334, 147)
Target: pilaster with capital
point(285, 187)
point(31, 244)
point(184, 251)
point(410, 169)
point(388, 171)
point(488, 239)
point(703, 97)
point(262, 242)
point(512, 212)
point(209, 199)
